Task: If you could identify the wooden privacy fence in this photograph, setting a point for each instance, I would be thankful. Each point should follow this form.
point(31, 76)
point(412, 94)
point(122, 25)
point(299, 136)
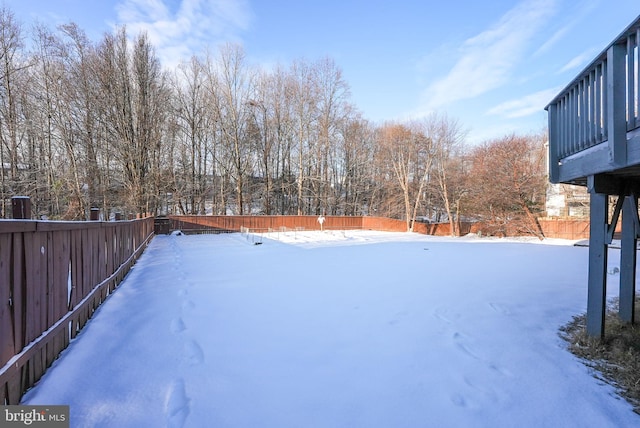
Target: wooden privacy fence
point(188, 223)
point(53, 276)
point(552, 228)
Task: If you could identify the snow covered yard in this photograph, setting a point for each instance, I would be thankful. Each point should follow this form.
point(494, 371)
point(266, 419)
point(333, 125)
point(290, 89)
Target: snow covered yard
point(338, 329)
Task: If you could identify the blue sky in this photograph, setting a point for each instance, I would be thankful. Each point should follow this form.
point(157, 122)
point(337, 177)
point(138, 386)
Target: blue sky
point(493, 66)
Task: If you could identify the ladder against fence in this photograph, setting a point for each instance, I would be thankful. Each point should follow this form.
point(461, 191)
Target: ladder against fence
point(594, 141)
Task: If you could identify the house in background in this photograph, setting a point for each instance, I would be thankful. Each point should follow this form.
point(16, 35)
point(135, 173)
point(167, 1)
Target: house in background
point(567, 201)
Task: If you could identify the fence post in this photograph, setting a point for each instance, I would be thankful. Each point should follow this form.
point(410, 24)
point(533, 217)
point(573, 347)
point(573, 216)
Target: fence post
point(21, 207)
point(95, 214)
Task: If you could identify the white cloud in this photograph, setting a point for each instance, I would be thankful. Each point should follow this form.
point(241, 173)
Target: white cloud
point(138, 10)
point(572, 19)
point(579, 61)
point(188, 28)
point(557, 36)
point(487, 60)
point(525, 106)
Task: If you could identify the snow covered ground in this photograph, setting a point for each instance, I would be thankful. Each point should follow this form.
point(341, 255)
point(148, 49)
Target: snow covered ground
point(338, 329)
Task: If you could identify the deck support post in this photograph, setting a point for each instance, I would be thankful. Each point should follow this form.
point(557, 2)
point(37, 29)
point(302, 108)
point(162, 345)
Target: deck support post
point(628, 258)
point(596, 297)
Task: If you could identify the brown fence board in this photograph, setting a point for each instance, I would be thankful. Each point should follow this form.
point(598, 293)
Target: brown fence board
point(59, 259)
point(384, 224)
point(37, 366)
point(35, 283)
point(12, 388)
point(17, 291)
point(85, 262)
point(7, 348)
point(76, 267)
point(76, 276)
point(31, 292)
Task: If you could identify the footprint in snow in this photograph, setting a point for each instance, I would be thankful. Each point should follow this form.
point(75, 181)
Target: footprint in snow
point(193, 353)
point(176, 405)
point(177, 325)
point(500, 370)
point(501, 309)
point(459, 400)
point(443, 315)
point(398, 317)
point(460, 341)
point(485, 392)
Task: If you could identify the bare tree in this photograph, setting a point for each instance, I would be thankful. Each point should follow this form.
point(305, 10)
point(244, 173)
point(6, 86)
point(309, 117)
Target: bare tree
point(194, 134)
point(278, 98)
point(408, 151)
point(509, 182)
point(357, 180)
point(263, 117)
point(235, 85)
point(448, 167)
point(135, 101)
point(333, 93)
point(45, 76)
point(304, 105)
point(11, 66)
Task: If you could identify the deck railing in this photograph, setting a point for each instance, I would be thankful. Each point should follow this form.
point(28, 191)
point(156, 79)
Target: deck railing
point(53, 276)
point(599, 105)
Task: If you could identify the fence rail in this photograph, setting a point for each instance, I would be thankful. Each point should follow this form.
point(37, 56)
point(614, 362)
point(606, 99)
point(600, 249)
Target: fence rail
point(53, 276)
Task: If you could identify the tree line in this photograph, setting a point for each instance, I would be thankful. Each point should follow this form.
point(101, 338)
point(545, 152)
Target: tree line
point(102, 124)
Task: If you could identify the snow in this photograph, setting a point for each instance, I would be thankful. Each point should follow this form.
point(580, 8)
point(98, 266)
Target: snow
point(338, 329)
